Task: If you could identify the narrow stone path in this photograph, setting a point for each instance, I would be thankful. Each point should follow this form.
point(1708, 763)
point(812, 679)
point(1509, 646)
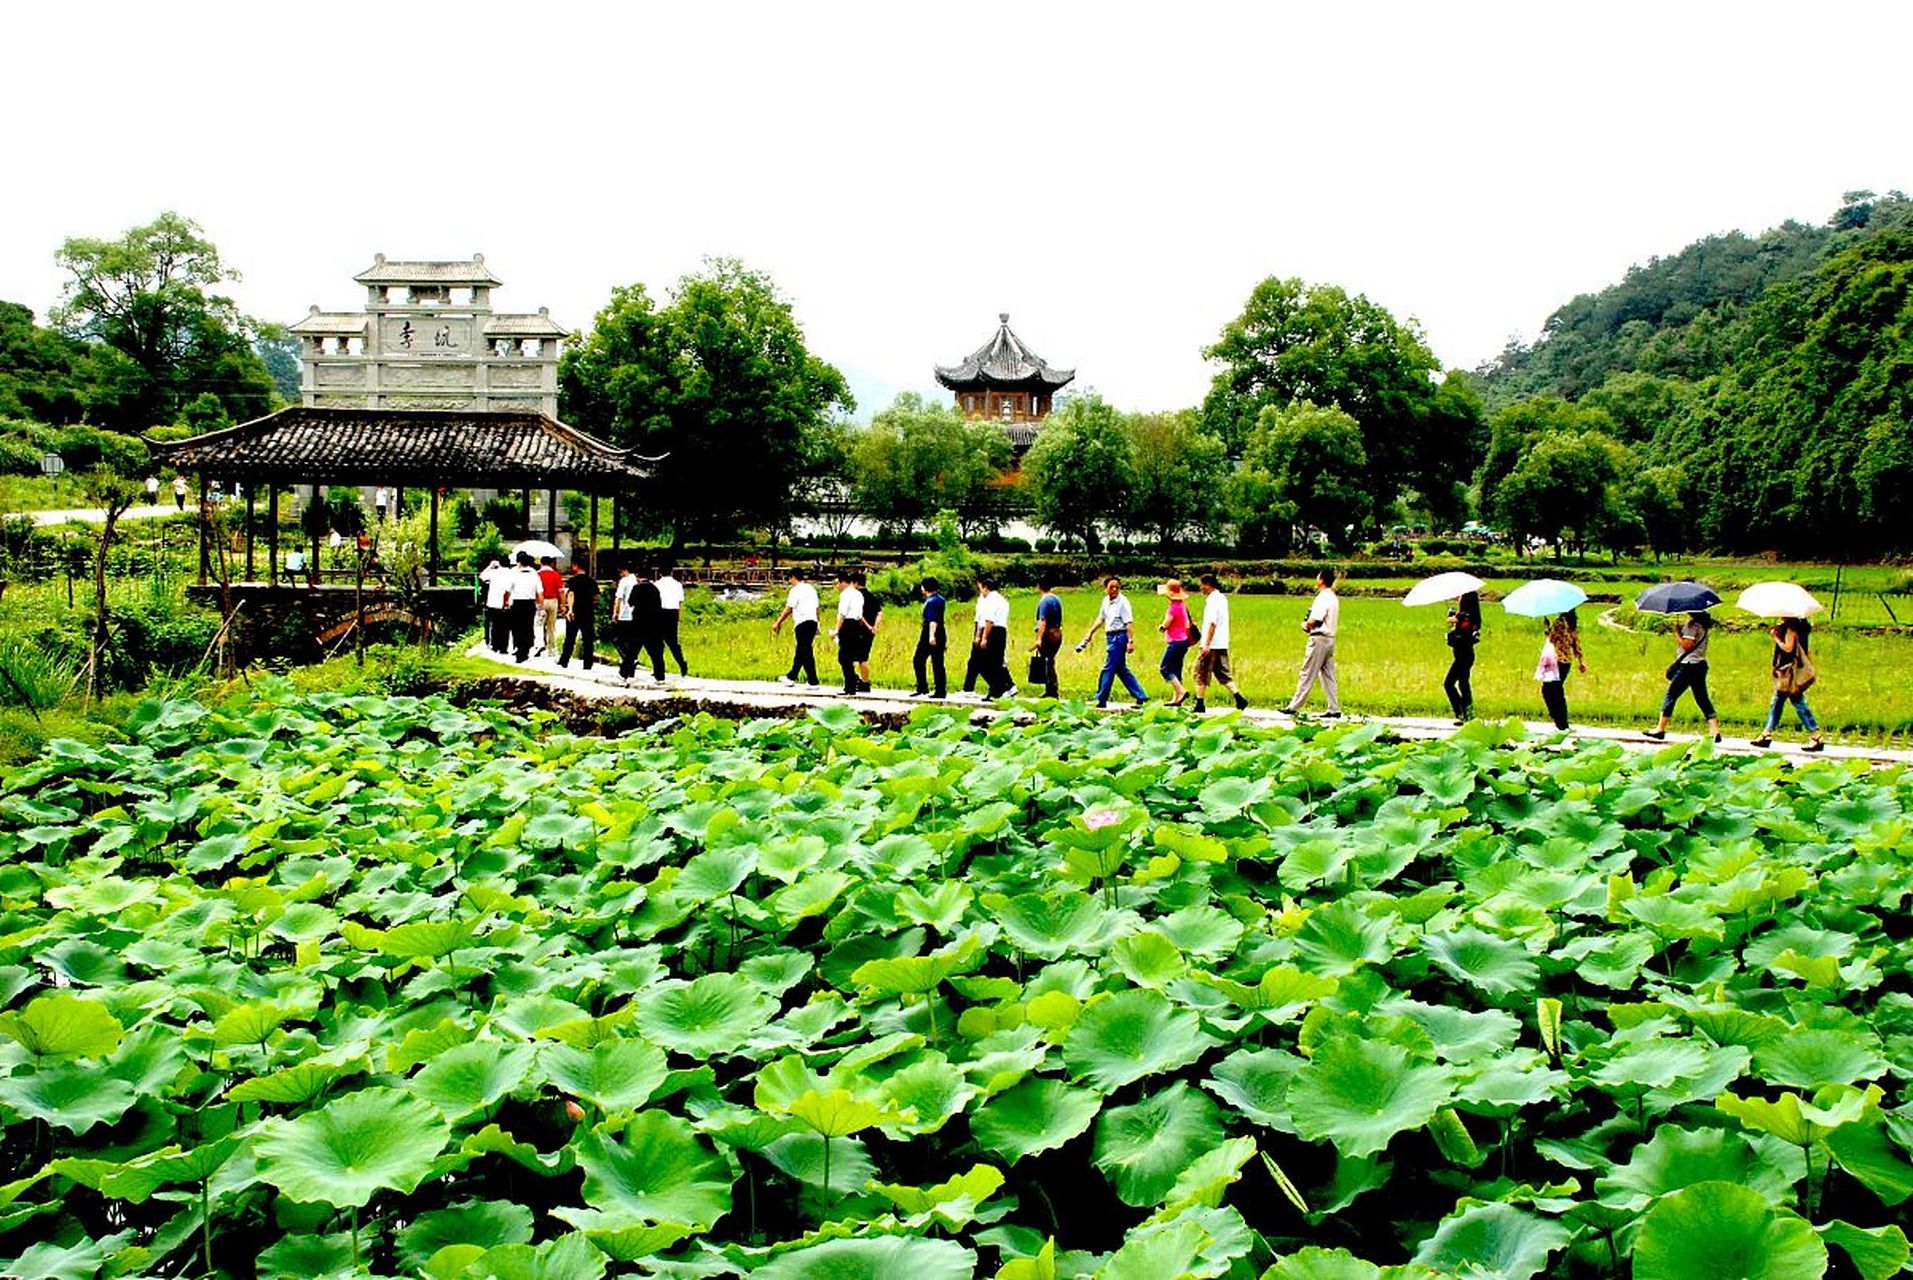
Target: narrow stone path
point(602, 682)
point(93, 515)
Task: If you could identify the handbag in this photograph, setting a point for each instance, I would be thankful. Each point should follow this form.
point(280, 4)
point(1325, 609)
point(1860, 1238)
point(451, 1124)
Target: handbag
point(1797, 676)
point(1039, 669)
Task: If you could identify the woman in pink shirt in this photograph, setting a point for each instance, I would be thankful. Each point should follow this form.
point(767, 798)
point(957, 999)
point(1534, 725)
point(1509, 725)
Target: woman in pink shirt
point(1176, 634)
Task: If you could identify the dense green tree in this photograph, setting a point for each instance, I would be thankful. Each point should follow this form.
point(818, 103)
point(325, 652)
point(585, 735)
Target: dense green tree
point(1639, 405)
point(278, 350)
point(48, 377)
point(1080, 471)
point(917, 458)
point(1512, 431)
point(1314, 463)
point(1181, 475)
point(145, 295)
point(1318, 343)
point(1563, 488)
point(719, 382)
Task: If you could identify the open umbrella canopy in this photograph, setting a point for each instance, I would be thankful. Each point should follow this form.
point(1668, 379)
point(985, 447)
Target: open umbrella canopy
point(538, 549)
point(1543, 597)
point(1443, 586)
point(1677, 597)
point(1778, 600)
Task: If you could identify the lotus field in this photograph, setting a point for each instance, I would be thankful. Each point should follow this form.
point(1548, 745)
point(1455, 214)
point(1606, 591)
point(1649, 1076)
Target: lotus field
point(330, 985)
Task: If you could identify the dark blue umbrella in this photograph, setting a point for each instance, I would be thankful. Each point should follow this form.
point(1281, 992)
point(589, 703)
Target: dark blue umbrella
point(1677, 597)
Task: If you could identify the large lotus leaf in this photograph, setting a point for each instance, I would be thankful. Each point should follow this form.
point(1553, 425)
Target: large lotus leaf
point(569, 1257)
point(1202, 930)
point(838, 1113)
point(1051, 925)
point(915, 975)
point(619, 1075)
point(1315, 1263)
point(949, 1204)
point(656, 1171)
point(1808, 1059)
point(873, 1258)
point(301, 1083)
point(1144, 1148)
point(829, 1164)
point(1510, 1081)
point(1719, 1231)
point(1793, 1119)
point(1282, 992)
point(300, 1257)
point(67, 1095)
point(1492, 965)
point(484, 1223)
point(419, 940)
point(934, 1090)
point(1210, 1176)
point(1876, 1253)
point(472, 1076)
point(1256, 1082)
point(1147, 959)
point(1339, 939)
point(370, 1141)
point(1359, 1093)
point(704, 1018)
point(633, 1244)
point(1036, 1115)
point(1493, 1240)
point(1130, 1035)
point(1172, 1251)
point(715, 873)
point(63, 1026)
point(1675, 1158)
point(137, 1180)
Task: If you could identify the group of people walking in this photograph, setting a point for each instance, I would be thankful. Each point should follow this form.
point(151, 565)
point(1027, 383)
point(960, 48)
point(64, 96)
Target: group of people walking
point(1561, 656)
point(859, 615)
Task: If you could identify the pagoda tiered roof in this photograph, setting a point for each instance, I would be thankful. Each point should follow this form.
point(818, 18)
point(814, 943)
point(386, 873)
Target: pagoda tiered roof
point(1004, 363)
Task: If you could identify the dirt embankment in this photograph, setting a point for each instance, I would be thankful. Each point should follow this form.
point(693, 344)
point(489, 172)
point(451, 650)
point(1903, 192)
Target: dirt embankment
point(609, 716)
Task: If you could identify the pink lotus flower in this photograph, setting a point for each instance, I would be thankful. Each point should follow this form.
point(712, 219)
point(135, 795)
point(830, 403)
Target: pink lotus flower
point(1097, 819)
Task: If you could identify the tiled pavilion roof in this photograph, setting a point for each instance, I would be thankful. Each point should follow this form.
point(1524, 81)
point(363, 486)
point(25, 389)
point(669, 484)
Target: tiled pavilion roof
point(304, 445)
point(1003, 363)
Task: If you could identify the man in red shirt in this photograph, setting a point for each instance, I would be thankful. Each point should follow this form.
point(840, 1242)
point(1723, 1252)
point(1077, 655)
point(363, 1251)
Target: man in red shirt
point(549, 587)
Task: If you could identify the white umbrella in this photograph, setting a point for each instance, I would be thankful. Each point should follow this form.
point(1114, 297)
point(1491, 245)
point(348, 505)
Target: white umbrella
point(1443, 586)
point(1778, 600)
point(538, 549)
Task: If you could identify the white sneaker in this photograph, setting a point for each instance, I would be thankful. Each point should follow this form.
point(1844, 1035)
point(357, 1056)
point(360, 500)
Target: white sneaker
point(1013, 692)
point(785, 680)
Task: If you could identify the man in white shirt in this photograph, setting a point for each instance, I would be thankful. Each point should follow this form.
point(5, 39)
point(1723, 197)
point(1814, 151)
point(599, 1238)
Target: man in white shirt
point(851, 631)
point(1318, 660)
point(1117, 620)
point(990, 642)
point(497, 634)
point(624, 623)
point(800, 606)
point(671, 602)
point(522, 593)
point(1212, 651)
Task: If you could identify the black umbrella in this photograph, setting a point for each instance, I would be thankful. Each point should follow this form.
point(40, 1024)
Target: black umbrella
point(1677, 597)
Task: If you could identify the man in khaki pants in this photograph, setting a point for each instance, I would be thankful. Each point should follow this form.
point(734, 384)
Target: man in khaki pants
point(1318, 661)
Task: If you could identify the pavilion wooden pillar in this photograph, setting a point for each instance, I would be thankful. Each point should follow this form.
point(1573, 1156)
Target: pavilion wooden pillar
point(593, 543)
point(205, 534)
point(272, 532)
point(431, 556)
point(249, 560)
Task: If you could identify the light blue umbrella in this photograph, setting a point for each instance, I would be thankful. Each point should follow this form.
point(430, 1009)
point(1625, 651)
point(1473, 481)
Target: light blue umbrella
point(1543, 597)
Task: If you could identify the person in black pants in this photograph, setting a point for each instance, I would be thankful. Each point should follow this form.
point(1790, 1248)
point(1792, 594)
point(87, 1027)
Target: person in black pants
point(800, 606)
point(1464, 632)
point(581, 615)
point(521, 600)
point(647, 616)
point(624, 622)
point(932, 640)
point(670, 608)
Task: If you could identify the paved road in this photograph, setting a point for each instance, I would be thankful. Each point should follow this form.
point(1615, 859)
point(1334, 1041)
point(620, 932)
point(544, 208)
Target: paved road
point(602, 682)
point(93, 515)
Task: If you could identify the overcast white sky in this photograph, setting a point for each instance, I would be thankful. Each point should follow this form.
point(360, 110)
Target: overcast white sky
point(1116, 176)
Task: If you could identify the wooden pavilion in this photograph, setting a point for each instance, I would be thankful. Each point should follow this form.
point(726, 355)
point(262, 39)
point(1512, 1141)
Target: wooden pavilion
point(1003, 381)
point(400, 448)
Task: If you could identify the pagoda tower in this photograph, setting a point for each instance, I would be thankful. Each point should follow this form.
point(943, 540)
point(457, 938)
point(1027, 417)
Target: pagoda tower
point(1004, 381)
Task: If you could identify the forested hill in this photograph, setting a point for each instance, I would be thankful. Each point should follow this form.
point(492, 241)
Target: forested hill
point(1764, 385)
point(1661, 317)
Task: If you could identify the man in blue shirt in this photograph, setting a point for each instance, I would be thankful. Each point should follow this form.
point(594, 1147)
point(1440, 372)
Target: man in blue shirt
point(1118, 621)
point(932, 642)
point(1049, 634)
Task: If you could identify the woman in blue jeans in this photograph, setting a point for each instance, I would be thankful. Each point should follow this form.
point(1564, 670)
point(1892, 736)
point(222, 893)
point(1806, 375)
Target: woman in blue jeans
point(1790, 646)
point(1689, 672)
